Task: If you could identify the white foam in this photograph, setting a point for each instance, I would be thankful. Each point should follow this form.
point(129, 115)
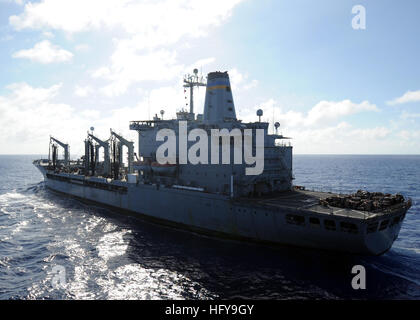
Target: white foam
point(6, 197)
point(112, 245)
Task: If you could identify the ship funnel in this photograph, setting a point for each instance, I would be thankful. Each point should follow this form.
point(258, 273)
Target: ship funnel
point(218, 105)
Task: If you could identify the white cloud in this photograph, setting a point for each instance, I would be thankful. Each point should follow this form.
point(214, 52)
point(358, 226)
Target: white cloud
point(83, 91)
point(251, 84)
point(375, 133)
point(147, 30)
point(199, 63)
point(236, 78)
point(26, 96)
point(48, 34)
point(240, 81)
point(91, 114)
point(323, 113)
point(29, 115)
point(153, 22)
point(409, 135)
point(343, 138)
point(101, 72)
point(83, 47)
point(128, 67)
point(326, 111)
point(409, 116)
point(323, 128)
point(409, 96)
point(44, 52)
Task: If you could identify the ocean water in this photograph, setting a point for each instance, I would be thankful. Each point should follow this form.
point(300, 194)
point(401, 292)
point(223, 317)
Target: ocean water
point(104, 255)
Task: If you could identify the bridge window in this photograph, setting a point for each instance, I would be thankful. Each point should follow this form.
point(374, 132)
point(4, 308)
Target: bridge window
point(329, 224)
point(295, 219)
point(348, 227)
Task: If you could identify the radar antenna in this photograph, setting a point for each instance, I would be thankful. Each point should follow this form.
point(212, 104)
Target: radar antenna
point(191, 81)
point(259, 114)
point(277, 125)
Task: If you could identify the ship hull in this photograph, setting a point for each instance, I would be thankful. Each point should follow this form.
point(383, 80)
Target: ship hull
point(218, 215)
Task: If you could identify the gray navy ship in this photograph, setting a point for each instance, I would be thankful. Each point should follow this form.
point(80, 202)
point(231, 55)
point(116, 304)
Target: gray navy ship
point(222, 199)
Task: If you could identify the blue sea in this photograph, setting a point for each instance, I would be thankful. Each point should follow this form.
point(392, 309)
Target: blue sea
point(104, 255)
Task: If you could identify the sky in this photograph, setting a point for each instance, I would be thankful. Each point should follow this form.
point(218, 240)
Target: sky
point(69, 65)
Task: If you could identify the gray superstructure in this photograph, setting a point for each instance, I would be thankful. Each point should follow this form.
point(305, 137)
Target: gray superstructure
point(222, 199)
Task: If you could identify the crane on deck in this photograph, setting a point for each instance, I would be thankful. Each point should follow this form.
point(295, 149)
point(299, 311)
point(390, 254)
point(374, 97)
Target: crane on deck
point(130, 147)
point(101, 143)
point(65, 146)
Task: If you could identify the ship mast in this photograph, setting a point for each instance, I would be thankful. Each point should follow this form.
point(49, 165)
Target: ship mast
point(192, 81)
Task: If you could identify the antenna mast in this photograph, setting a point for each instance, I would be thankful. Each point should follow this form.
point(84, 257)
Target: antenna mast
point(192, 81)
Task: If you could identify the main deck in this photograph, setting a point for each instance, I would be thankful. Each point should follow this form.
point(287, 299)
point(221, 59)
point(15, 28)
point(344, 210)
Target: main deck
point(310, 200)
